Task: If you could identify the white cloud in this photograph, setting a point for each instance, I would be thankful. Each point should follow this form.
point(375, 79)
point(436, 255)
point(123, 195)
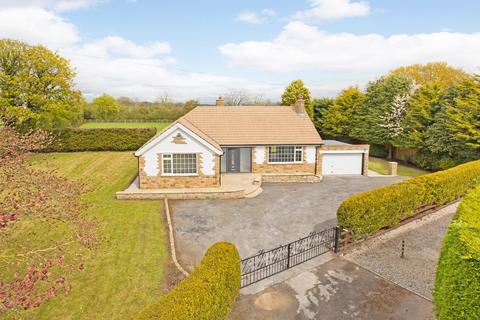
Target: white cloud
point(113, 64)
point(122, 47)
point(254, 17)
point(333, 9)
point(146, 78)
point(37, 26)
point(57, 5)
point(303, 47)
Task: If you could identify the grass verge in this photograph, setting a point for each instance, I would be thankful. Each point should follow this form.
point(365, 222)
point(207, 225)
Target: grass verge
point(380, 165)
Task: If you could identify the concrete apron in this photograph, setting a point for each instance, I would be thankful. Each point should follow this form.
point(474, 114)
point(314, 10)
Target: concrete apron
point(336, 289)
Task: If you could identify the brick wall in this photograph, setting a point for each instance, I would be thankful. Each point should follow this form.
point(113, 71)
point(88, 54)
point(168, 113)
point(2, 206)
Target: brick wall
point(266, 167)
point(160, 182)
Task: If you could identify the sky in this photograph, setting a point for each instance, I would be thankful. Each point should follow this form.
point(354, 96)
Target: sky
point(144, 49)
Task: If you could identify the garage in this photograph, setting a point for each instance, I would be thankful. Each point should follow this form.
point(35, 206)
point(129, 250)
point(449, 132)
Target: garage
point(340, 158)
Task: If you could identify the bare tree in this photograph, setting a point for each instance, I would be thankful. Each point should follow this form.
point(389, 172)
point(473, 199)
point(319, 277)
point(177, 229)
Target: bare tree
point(236, 98)
point(165, 98)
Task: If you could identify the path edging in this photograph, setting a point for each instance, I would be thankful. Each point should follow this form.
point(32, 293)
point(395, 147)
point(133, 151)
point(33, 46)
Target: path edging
point(172, 240)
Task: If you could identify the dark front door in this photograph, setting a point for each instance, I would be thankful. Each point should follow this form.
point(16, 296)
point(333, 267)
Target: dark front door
point(233, 160)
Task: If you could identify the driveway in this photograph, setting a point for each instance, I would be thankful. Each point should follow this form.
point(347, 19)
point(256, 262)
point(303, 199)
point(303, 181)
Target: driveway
point(335, 290)
point(284, 212)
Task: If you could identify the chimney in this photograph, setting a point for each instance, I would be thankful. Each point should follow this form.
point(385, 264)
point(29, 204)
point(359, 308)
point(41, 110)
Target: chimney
point(220, 102)
point(300, 105)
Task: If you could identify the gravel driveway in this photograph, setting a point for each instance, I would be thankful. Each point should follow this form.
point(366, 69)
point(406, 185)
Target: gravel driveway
point(423, 239)
point(282, 213)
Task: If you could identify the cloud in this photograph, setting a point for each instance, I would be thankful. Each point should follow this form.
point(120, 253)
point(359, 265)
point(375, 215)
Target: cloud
point(333, 10)
point(303, 47)
point(37, 26)
point(114, 64)
point(123, 47)
point(254, 17)
point(57, 5)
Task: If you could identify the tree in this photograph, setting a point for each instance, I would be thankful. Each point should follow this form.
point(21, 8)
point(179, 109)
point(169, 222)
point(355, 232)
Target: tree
point(291, 93)
point(420, 115)
point(236, 98)
point(319, 105)
point(337, 120)
point(36, 87)
point(380, 117)
point(439, 73)
point(105, 106)
point(36, 201)
point(463, 117)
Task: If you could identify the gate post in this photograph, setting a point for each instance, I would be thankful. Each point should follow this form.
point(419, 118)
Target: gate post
point(338, 231)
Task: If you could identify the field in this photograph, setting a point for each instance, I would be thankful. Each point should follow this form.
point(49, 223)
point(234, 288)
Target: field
point(127, 270)
point(157, 125)
point(381, 166)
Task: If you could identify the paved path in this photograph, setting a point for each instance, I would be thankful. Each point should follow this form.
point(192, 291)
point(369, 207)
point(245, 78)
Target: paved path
point(423, 239)
point(282, 213)
point(338, 289)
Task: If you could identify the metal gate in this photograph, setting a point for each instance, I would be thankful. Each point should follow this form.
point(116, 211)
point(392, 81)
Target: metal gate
point(268, 263)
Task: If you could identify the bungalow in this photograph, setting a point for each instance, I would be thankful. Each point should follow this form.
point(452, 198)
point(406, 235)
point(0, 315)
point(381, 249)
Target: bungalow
point(279, 142)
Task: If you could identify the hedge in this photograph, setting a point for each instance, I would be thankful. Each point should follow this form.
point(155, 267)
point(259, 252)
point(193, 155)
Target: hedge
point(208, 293)
point(457, 280)
point(101, 139)
point(365, 213)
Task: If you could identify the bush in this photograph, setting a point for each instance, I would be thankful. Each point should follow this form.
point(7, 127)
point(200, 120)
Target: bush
point(105, 139)
point(457, 280)
point(208, 293)
point(368, 212)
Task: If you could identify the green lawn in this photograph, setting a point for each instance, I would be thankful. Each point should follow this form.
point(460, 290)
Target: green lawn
point(157, 125)
point(127, 271)
point(381, 166)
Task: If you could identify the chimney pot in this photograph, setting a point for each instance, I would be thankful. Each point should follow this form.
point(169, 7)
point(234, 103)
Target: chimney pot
point(300, 105)
point(220, 102)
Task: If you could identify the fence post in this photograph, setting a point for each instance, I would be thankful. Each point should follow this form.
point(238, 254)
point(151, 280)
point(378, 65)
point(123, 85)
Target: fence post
point(288, 256)
point(337, 239)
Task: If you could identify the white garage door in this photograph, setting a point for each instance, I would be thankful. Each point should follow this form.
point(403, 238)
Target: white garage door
point(342, 163)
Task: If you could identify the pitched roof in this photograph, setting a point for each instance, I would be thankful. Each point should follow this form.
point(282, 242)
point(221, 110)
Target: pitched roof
point(252, 125)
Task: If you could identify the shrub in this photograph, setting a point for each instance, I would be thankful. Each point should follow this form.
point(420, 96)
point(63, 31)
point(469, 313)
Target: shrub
point(368, 212)
point(208, 293)
point(104, 139)
point(457, 280)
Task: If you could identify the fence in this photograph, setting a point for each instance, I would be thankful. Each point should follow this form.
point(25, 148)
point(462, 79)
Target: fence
point(268, 263)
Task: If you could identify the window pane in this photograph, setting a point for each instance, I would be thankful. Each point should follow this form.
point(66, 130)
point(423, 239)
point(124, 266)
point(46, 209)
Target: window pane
point(167, 166)
point(298, 154)
point(245, 159)
point(184, 163)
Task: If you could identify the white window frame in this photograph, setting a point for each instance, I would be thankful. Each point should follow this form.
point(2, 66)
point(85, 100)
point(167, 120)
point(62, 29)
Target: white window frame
point(296, 148)
point(171, 165)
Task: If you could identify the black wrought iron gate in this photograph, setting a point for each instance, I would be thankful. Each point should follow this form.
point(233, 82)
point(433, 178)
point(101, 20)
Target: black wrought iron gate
point(268, 263)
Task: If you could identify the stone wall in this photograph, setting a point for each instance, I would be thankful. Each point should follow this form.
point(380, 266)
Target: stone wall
point(281, 168)
point(194, 181)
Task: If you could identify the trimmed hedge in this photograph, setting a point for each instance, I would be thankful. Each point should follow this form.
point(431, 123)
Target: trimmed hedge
point(101, 139)
point(457, 280)
point(365, 213)
point(208, 293)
